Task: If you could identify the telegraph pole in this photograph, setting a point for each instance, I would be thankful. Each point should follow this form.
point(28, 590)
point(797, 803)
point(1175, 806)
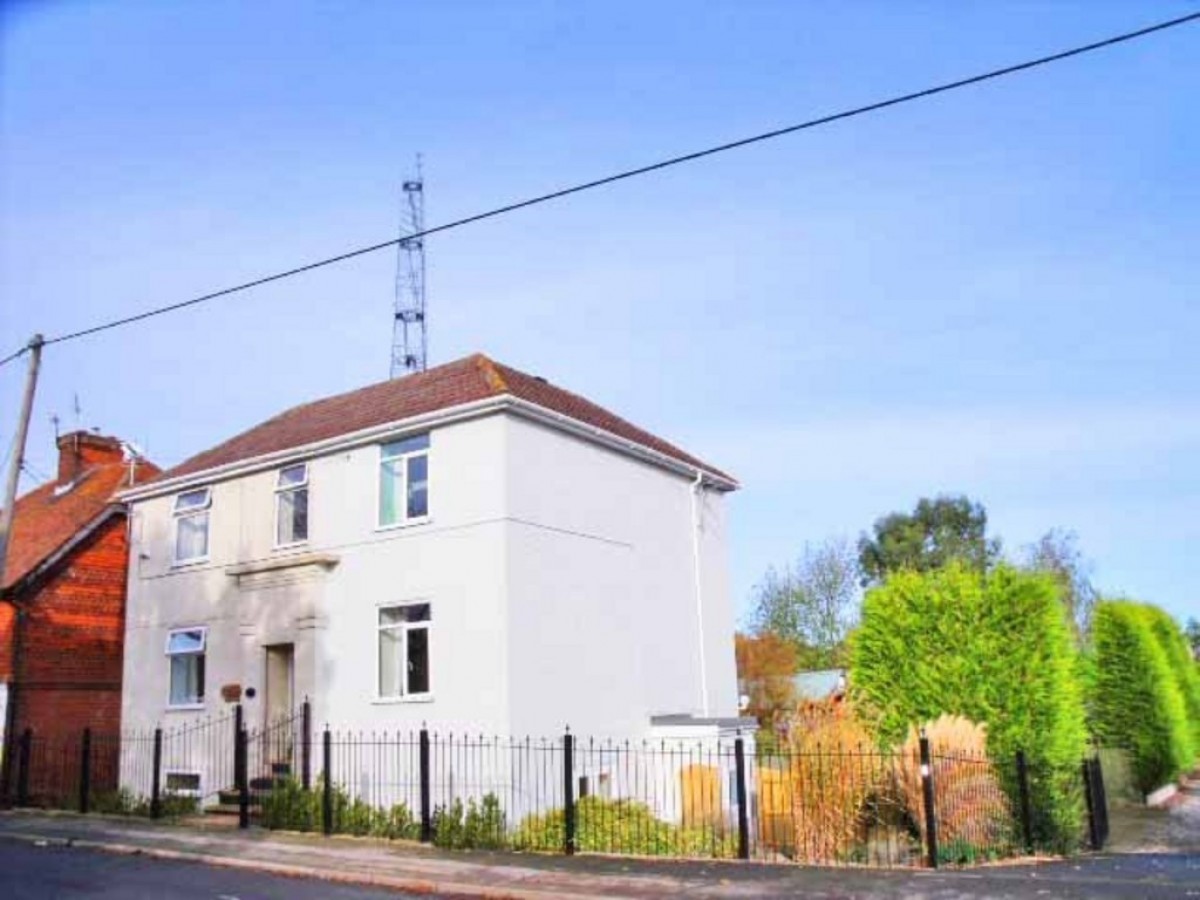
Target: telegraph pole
point(18, 454)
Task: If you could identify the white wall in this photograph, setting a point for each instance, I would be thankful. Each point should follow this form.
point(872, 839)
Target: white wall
point(603, 626)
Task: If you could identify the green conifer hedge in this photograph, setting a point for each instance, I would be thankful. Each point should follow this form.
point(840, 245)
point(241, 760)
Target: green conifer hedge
point(1135, 699)
point(1183, 667)
point(994, 648)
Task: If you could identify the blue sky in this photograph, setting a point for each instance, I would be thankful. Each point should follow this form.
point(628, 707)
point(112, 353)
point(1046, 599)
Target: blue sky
point(992, 292)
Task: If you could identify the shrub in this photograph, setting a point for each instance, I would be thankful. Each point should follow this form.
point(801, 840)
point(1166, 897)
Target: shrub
point(624, 827)
point(480, 826)
point(123, 802)
point(996, 649)
point(1136, 704)
point(289, 806)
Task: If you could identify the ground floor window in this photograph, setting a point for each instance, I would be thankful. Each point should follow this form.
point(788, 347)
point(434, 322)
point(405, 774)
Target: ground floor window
point(185, 653)
point(183, 784)
point(404, 650)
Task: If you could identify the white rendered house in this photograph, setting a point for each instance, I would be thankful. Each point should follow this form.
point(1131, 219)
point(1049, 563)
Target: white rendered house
point(470, 548)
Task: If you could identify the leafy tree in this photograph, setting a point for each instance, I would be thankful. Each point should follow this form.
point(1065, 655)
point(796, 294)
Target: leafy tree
point(811, 604)
point(936, 532)
point(998, 651)
point(765, 666)
point(1057, 554)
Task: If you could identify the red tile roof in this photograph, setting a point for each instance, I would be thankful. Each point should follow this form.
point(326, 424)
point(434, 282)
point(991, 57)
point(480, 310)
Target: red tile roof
point(465, 380)
point(43, 523)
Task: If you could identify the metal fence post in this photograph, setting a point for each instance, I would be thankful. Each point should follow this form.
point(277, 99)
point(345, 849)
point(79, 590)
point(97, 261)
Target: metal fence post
point(1026, 806)
point(1100, 799)
point(306, 745)
point(23, 767)
point(423, 768)
point(85, 771)
point(156, 777)
point(238, 724)
point(243, 778)
point(569, 794)
point(327, 794)
point(928, 795)
point(743, 820)
point(1093, 824)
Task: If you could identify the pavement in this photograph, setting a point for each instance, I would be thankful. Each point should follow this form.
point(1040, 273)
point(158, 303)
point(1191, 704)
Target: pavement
point(341, 862)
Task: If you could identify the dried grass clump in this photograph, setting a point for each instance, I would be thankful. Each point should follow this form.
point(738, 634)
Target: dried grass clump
point(833, 769)
point(973, 813)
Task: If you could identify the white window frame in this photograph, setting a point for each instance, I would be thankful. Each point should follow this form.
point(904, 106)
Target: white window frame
point(287, 489)
point(190, 512)
point(203, 651)
point(425, 696)
point(404, 521)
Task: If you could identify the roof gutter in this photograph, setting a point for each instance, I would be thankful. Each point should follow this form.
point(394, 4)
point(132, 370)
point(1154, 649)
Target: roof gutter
point(613, 441)
point(462, 412)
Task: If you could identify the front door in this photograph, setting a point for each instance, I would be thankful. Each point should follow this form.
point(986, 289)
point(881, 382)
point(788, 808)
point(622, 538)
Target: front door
point(277, 707)
point(279, 701)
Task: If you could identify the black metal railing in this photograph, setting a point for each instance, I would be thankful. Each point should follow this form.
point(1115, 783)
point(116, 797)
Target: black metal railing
point(701, 798)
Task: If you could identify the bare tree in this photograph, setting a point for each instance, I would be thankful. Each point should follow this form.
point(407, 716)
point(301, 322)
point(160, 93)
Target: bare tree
point(813, 603)
point(1057, 553)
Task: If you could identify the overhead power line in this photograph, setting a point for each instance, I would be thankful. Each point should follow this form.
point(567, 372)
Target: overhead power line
point(629, 173)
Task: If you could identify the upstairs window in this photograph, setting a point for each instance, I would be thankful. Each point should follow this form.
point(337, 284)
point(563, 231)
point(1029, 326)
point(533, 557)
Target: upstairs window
point(404, 651)
point(291, 506)
point(185, 651)
point(191, 525)
point(404, 480)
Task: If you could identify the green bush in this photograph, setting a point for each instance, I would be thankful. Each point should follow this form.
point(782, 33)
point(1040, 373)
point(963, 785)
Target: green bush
point(1135, 703)
point(624, 827)
point(995, 649)
point(289, 806)
point(123, 802)
point(479, 827)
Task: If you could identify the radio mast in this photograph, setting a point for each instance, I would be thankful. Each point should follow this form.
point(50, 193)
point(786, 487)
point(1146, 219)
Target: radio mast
point(409, 341)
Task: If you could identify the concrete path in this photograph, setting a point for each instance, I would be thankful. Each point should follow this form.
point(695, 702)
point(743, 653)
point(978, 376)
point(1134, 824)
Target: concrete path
point(1172, 829)
point(418, 869)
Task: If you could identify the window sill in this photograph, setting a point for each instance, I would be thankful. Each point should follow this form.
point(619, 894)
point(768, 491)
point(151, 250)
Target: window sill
point(294, 545)
point(411, 698)
point(186, 563)
point(185, 707)
point(407, 523)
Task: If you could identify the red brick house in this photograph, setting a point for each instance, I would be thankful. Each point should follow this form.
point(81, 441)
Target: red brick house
point(62, 604)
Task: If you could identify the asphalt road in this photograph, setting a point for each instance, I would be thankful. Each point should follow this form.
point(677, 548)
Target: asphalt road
point(28, 872)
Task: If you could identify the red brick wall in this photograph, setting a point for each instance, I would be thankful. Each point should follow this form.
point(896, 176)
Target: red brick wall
point(6, 639)
point(73, 640)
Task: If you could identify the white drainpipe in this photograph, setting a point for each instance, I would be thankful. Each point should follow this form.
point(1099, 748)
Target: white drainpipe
point(697, 487)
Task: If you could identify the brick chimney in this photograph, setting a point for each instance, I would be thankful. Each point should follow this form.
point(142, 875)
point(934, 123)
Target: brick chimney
point(82, 450)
